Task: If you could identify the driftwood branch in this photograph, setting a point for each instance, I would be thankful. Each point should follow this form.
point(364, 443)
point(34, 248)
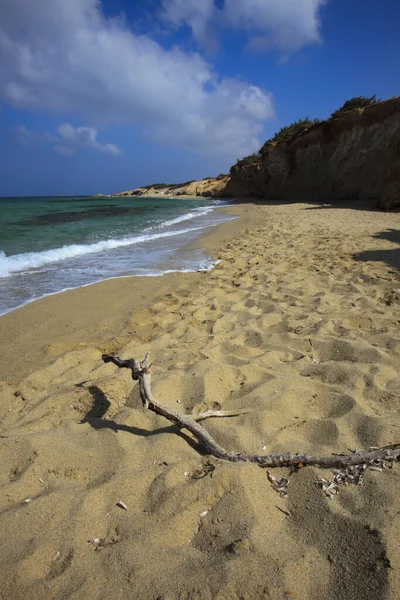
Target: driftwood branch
point(141, 372)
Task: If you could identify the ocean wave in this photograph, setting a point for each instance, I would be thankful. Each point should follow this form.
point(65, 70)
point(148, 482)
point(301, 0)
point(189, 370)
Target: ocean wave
point(197, 212)
point(33, 260)
point(205, 265)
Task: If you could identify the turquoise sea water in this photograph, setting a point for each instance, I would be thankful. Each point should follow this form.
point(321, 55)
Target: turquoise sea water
point(51, 244)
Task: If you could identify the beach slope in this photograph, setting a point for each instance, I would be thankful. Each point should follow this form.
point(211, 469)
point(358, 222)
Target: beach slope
point(298, 324)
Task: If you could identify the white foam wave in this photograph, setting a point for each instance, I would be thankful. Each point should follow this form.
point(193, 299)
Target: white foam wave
point(33, 260)
point(206, 265)
point(197, 212)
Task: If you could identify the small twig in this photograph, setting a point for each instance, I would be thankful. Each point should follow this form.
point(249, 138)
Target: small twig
point(141, 373)
point(207, 414)
point(285, 512)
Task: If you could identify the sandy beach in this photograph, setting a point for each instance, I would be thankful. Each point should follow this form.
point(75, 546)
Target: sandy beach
point(299, 325)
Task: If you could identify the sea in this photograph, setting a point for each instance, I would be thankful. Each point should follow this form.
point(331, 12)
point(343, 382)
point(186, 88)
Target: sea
point(52, 244)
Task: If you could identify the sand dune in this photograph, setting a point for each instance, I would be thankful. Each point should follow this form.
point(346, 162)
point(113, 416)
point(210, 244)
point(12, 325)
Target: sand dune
point(299, 323)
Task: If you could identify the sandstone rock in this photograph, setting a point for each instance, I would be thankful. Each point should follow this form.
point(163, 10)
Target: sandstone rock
point(349, 157)
point(390, 197)
point(353, 156)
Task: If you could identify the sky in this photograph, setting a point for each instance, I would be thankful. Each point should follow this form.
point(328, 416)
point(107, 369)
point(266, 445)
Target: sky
point(103, 96)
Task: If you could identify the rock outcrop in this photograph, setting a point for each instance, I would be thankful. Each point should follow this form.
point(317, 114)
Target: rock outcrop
point(354, 156)
point(209, 187)
point(390, 197)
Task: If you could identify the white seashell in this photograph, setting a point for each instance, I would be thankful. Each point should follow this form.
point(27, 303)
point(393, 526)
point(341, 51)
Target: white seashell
point(122, 505)
point(203, 514)
point(28, 500)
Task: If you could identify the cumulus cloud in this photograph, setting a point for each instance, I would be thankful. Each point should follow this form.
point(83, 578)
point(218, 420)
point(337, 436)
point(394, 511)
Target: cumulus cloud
point(85, 137)
point(194, 13)
point(67, 57)
point(285, 25)
point(68, 140)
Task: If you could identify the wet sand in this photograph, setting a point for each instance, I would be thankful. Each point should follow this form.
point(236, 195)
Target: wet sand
point(299, 324)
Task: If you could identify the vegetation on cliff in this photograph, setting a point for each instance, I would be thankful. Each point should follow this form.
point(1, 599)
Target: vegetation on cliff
point(288, 132)
point(356, 102)
point(163, 186)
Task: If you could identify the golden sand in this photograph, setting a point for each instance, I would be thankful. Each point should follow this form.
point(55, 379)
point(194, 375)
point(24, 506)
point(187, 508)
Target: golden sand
point(299, 323)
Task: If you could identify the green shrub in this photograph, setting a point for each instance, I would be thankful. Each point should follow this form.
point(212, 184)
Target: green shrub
point(162, 186)
point(246, 161)
point(356, 102)
point(293, 129)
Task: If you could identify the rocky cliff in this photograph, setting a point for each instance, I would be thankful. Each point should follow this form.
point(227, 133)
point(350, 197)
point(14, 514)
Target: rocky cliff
point(356, 155)
point(353, 156)
point(209, 187)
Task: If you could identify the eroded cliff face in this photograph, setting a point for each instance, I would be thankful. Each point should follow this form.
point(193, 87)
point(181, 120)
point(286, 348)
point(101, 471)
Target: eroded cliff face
point(209, 187)
point(356, 155)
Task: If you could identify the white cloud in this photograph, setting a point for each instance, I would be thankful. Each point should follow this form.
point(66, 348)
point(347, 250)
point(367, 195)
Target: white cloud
point(285, 25)
point(85, 137)
point(196, 14)
point(66, 57)
point(68, 140)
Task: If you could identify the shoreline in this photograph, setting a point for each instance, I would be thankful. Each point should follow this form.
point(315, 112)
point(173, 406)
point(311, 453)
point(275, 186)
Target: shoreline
point(21, 325)
point(146, 248)
point(298, 326)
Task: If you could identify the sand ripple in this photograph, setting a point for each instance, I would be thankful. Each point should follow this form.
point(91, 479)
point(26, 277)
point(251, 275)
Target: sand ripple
point(299, 323)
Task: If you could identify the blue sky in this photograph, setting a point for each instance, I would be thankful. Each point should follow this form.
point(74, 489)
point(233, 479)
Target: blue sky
point(106, 96)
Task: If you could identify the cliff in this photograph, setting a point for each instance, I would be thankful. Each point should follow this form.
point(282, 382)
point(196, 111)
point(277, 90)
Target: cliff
point(356, 155)
point(353, 156)
point(208, 187)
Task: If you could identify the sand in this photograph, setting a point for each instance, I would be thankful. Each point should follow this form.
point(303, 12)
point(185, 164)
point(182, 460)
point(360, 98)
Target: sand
point(299, 324)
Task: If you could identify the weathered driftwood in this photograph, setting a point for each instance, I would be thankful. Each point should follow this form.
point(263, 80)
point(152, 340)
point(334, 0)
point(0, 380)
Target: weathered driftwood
point(141, 373)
